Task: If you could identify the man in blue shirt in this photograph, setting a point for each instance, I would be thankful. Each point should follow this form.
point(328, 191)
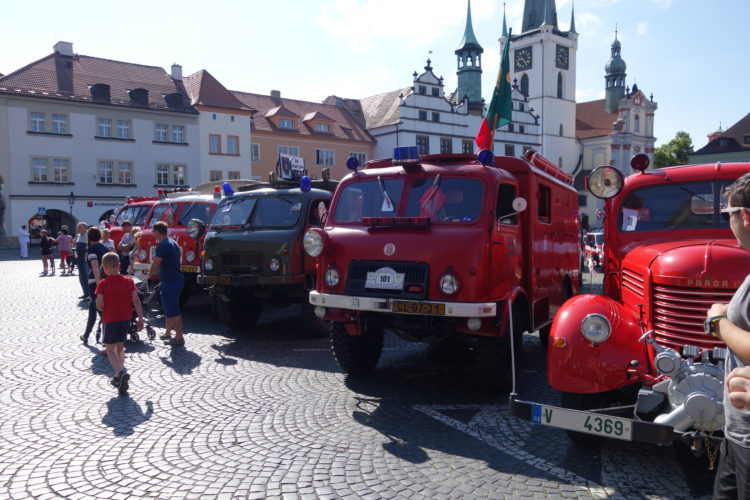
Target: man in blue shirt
point(167, 265)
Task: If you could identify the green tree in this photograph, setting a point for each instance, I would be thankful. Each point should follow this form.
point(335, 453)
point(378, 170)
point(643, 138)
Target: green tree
point(675, 152)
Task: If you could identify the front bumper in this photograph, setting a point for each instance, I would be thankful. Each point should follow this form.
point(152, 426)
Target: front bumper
point(249, 280)
point(593, 422)
point(145, 266)
point(421, 307)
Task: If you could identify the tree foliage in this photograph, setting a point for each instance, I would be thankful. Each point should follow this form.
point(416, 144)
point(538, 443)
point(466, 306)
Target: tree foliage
point(675, 152)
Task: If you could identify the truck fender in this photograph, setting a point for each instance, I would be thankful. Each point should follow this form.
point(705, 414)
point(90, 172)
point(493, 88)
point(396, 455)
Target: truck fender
point(574, 364)
point(514, 294)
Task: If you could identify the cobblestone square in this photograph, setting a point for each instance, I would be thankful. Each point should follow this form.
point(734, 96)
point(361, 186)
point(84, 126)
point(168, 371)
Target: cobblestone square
point(270, 415)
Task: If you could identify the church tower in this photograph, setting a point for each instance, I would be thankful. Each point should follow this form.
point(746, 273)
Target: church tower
point(544, 67)
point(469, 54)
point(614, 78)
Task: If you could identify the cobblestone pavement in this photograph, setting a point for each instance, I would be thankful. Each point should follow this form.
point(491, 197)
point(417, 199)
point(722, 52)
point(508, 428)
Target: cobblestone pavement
point(270, 414)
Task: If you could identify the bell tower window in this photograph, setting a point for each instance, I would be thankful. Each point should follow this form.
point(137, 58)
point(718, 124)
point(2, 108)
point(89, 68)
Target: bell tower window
point(559, 86)
point(525, 84)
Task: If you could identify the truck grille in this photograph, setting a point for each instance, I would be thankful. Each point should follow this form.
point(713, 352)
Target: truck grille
point(416, 274)
point(633, 281)
point(239, 263)
point(679, 313)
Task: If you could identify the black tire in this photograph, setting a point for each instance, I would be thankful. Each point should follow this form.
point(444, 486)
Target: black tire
point(493, 364)
point(150, 332)
point(313, 326)
point(240, 313)
point(577, 401)
point(356, 354)
point(544, 335)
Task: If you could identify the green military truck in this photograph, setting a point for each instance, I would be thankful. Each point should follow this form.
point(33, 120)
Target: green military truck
point(252, 252)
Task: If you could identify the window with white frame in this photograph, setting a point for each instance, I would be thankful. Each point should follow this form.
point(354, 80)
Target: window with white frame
point(123, 129)
point(178, 133)
point(324, 157)
point(288, 150)
point(168, 174)
point(214, 175)
point(233, 175)
point(214, 144)
point(467, 147)
point(59, 124)
point(254, 152)
point(423, 144)
point(106, 172)
point(322, 127)
point(161, 132)
point(39, 169)
point(233, 145)
point(61, 169)
point(162, 174)
point(362, 157)
point(286, 123)
point(104, 127)
point(178, 175)
point(124, 172)
point(38, 122)
point(446, 145)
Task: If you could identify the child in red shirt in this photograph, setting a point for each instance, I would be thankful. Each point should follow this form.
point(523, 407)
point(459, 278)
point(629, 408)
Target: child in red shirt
point(116, 297)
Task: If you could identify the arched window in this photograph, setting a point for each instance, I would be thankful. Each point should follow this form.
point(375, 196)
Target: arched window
point(637, 126)
point(561, 130)
point(559, 86)
point(525, 84)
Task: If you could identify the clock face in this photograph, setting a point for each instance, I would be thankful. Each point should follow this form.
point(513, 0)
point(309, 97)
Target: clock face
point(522, 59)
point(562, 56)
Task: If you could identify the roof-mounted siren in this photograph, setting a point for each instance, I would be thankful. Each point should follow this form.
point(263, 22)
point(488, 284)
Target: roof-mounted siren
point(227, 188)
point(161, 193)
point(405, 155)
point(352, 163)
point(305, 184)
point(217, 192)
point(640, 162)
point(486, 157)
point(605, 182)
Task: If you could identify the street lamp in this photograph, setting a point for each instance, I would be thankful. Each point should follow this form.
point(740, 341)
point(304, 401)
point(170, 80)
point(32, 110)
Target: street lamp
point(71, 202)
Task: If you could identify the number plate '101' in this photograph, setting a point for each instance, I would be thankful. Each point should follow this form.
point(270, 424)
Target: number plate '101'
point(583, 421)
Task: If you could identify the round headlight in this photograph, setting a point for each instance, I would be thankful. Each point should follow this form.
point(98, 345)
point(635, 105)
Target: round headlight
point(313, 243)
point(190, 256)
point(142, 254)
point(448, 284)
point(332, 277)
point(596, 328)
point(208, 265)
point(274, 264)
point(605, 182)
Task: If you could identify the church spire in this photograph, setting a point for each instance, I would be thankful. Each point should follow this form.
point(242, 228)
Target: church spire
point(572, 28)
point(614, 78)
point(469, 72)
point(538, 13)
point(469, 41)
point(505, 26)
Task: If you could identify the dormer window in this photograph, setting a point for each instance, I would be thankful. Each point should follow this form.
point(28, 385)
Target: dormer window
point(286, 123)
point(322, 127)
point(723, 142)
point(435, 92)
point(746, 139)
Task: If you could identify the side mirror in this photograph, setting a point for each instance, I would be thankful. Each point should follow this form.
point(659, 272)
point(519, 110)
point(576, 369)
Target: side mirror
point(519, 204)
point(196, 228)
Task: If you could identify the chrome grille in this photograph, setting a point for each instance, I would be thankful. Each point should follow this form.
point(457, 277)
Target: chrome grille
point(679, 313)
point(241, 262)
point(633, 281)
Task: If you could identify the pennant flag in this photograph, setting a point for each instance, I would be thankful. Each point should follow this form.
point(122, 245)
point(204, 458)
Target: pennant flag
point(501, 107)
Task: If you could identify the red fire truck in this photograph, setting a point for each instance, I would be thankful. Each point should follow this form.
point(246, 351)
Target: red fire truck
point(134, 210)
point(444, 246)
point(177, 209)
point(638, 356)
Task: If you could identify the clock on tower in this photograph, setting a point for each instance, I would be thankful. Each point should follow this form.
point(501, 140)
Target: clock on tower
point(562, 57)
point(522, 59)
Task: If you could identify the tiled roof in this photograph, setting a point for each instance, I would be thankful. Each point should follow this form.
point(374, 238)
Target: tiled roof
point(345, 126)
point(592, 120)
point(316, 115)
point(206, 90)
point(70, 78)
point(281, 111)
point(351, 106)
point(383, 109)
point(733, 139)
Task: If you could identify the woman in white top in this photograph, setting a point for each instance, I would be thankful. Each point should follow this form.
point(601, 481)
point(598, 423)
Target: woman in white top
point(23, 241)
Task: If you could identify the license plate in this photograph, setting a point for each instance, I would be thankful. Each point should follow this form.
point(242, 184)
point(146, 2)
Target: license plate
point(385, 278)
point(582, 421)
point(400, 306)
point(218, 280)
point(189, 269)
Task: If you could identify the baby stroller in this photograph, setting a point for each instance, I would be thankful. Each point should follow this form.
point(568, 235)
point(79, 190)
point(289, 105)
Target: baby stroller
point(149, 296)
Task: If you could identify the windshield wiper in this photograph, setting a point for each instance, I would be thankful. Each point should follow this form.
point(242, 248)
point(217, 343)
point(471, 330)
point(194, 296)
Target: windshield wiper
point(693, 194)
point(387, 200)
point(433, 189)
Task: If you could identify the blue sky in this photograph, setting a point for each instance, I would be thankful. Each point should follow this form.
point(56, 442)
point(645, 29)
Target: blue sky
point(683, 51)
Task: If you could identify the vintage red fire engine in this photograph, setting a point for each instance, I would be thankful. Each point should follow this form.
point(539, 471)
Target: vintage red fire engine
point(444, 246)
point(641, 347)
point(177, 209)
point(134, 210)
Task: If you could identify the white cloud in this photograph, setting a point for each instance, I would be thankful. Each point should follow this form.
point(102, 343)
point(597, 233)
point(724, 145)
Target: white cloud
point(641, 28)
point(587, 23)
point(662, 4)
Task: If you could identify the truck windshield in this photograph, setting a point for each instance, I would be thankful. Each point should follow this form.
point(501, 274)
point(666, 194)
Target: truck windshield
point(277, 211)
point(164, 212)
point(691, 205)
point(233, 212)
point(136, 215)
point(450, 200)
point(365, 199)
point(200, 211)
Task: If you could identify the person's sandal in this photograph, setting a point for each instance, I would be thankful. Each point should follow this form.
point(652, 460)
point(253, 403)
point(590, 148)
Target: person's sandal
point(165, 337)
point(175, 342)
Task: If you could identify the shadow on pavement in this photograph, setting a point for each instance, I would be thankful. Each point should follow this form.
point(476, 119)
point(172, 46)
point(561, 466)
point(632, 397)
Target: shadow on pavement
point(181, 360)
point(124, 414)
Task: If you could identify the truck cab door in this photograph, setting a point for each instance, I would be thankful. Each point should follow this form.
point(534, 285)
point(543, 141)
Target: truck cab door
point(506, 242)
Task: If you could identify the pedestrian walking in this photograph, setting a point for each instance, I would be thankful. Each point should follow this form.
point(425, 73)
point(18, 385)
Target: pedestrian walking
point(592, 270)
point(81, 246)
point(116, 298)
point(94, 254)
point(46, 244)
point(64, 246)
point(167, 265)
point(23, 241)
point(126, 245)
point(731, 323)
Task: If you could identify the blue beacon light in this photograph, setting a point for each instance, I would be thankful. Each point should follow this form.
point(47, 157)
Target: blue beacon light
point(486, 157)
point(305, 184)
point(352, 163)
point(227, 188)
point(404, 155)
